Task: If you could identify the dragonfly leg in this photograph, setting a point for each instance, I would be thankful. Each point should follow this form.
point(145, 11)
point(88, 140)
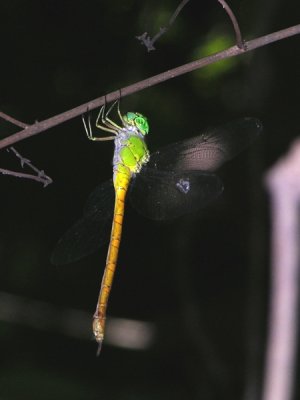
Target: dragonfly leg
point(119, 112)
point(118, 102)
point(107, 124)
point(107, 121)
point(89, 131)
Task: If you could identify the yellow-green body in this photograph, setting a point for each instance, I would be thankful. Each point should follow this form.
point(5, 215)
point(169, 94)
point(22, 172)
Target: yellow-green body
point(130, 155)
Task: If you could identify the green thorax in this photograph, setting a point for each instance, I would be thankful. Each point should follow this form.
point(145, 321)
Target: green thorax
point(131, 151)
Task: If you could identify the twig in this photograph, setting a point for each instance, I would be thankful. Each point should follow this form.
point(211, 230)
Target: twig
point(177, 11)
point(40, 174)
point(146, 40)
point(38, 178)
point(13, 120)
point(146, 83)
point(238, 35)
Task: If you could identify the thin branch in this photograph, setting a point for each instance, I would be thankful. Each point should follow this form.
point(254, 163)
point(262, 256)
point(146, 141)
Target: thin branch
point(177, 11)
point(12, 120)
point(46, 181)
point(146, 40)
point(238, 35)
point(40, 174)
point(146, 83)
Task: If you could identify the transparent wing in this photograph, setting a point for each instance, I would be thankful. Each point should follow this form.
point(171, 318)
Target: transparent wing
point(177, 180)
point(98, 199)
point(91, 231)
point(163, 195)
point(210, 150)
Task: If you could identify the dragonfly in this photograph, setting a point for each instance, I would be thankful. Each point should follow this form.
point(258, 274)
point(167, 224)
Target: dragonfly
point(176, 180)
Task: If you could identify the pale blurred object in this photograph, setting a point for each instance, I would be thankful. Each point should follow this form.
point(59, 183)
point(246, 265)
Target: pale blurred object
point(130, 334)
point(124, 333)
point(283, 182)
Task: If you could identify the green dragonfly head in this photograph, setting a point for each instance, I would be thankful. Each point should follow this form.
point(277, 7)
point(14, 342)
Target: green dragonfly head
point(137, 120)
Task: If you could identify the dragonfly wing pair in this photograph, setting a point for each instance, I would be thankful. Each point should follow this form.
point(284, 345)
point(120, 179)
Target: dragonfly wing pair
point(177, 180)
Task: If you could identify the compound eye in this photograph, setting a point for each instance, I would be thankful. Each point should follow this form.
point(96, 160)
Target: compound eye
point(142, 124)
point(137, 120)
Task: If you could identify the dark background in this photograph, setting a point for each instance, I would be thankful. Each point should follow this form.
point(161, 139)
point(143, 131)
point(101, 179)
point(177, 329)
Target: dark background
point(202, 281)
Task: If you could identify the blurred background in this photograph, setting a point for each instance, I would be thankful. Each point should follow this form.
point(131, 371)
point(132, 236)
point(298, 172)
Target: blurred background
point(188, 309)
